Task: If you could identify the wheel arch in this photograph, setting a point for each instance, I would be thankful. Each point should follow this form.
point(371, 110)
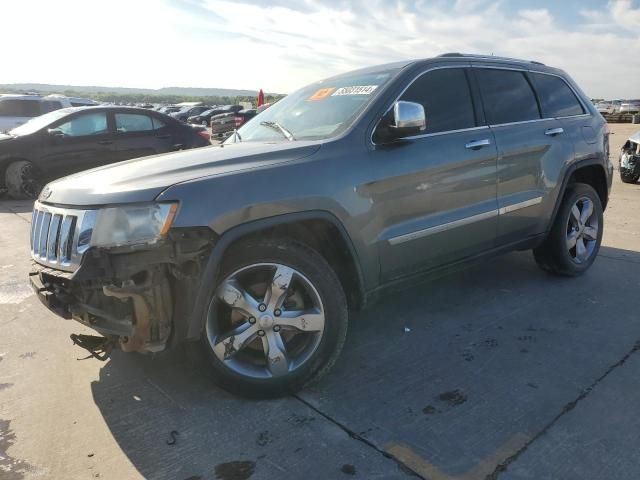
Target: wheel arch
point(320, 230)
point(591, 172)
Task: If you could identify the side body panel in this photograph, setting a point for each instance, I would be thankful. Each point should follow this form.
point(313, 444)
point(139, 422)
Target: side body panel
point(434, 199)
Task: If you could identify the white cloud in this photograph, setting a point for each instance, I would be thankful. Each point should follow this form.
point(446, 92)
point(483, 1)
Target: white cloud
point(284, 45)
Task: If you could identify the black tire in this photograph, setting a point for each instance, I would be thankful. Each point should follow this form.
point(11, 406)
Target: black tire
point(22, 180)
point(553, 255)
point(628, 177)
point(315, 268)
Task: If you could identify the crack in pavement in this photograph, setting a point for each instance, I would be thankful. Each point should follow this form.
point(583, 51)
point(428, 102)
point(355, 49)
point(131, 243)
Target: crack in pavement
point(610, 257)
point(503, 466)
point(401, 465)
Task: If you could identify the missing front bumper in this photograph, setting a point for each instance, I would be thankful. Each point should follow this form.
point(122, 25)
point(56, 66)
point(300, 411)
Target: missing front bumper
point(135, 314)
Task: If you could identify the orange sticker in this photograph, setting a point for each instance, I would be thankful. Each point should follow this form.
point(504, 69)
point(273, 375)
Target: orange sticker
point(322, 93)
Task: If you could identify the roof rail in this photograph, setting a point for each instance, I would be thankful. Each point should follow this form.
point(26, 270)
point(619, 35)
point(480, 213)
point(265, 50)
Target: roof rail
point(488, 57)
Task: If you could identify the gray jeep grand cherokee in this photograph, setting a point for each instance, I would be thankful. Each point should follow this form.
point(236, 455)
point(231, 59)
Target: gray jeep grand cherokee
point(258, 248)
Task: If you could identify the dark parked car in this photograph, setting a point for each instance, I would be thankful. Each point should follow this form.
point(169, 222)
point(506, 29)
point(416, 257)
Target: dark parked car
point(169, 109)
point(205, 117)
point(223, 124)
point(74, 139)
point(337, 195)
point(186, 112)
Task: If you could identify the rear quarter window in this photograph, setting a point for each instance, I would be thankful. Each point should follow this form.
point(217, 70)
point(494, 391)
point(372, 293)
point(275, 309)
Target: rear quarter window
point(556, 97)
point(507, 96)
point(47, 106)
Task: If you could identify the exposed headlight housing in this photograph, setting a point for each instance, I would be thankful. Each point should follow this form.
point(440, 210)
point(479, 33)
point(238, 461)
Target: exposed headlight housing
point(127, 225)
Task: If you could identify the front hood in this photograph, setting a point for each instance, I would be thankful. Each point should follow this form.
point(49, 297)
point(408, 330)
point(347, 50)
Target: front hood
point(143, 179)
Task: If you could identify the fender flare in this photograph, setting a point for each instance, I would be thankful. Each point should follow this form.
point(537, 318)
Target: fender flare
point(565, 182)
point(209, 276)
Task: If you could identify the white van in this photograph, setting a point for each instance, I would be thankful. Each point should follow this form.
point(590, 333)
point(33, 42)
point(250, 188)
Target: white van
point(18, 109)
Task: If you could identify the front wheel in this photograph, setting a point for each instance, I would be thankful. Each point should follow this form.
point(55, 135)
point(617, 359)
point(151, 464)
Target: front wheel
point(205, 123)
point(574, 240)
point(22, 180)
point(277, 320)
point(628, 177)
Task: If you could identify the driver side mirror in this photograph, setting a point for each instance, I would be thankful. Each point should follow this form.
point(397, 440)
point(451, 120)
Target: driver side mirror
point(405, 119)
point(54, 132)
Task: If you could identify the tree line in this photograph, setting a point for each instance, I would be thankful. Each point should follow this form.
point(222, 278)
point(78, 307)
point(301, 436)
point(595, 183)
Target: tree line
point(112, 97)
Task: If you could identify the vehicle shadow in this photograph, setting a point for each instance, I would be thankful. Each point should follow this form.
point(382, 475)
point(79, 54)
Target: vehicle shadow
point(16, 206)
point(451, 376)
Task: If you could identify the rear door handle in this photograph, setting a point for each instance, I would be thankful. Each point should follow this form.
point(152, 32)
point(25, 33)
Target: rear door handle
point(163, 137)
point(554, 131)
point(476, 144)
point(105, 142)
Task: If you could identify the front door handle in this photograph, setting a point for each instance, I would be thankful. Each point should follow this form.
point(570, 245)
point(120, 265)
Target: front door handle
point(476, 144)
point(105, 142)
point(554, 131)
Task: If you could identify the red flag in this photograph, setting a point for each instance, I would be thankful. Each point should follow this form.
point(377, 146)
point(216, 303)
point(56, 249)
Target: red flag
point(260, 98)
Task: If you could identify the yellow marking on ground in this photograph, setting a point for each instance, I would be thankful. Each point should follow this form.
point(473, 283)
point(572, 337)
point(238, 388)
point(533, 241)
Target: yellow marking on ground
point(485, 467)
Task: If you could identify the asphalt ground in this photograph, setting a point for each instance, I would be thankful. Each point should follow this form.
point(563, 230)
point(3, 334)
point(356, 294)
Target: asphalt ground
point(497, 371)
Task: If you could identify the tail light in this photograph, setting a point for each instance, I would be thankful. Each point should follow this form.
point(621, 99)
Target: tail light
point(205, 134)
point(238, 121)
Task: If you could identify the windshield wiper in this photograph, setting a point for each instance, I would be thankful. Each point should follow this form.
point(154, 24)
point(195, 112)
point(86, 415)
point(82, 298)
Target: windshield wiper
point(276, 126)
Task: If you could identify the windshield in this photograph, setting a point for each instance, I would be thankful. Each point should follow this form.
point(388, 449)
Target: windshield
point(40, 122)
point(318, 111)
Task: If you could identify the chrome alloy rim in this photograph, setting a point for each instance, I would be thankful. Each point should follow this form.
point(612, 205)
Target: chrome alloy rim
point(265, 320)
point(582, 230)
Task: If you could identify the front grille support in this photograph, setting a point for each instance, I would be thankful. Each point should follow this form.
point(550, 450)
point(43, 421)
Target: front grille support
point(60, 236)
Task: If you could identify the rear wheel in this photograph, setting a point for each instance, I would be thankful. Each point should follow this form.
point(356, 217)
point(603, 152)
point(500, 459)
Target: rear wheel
point(277, 321)
point(22, 180)
point(574, 240)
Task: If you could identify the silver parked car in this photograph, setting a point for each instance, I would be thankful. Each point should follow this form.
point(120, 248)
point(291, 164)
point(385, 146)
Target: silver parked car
point(630, 106)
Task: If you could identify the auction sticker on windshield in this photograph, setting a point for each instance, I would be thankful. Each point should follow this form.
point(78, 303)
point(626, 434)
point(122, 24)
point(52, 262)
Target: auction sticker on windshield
point(355, 90)
point(322, 93)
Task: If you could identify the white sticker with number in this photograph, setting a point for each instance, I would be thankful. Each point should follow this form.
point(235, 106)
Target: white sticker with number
point(355, 90)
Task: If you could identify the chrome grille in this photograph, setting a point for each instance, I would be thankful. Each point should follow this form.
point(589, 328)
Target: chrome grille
point(60, 236)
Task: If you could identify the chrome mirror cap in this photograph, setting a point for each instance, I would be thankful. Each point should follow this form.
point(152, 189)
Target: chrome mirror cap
point(409, 116)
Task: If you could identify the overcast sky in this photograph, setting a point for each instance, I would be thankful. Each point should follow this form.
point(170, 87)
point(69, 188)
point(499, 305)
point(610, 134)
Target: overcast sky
point(281, 45)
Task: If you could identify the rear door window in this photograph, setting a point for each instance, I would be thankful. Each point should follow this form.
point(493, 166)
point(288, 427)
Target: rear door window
point(507, 96)
point(133, 122)
point(556, 97)
point(19, 108)
point(446, 99)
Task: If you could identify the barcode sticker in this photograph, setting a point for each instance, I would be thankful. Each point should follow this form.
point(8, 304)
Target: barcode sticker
point(355, 90)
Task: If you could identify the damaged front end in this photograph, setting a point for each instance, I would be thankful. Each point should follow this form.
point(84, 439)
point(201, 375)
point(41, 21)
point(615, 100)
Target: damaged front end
point(134, 296)
point(630, 158)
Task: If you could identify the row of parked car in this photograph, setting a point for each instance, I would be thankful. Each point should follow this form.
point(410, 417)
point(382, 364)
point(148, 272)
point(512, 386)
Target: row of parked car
point(47, 137)
point(617, 106)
